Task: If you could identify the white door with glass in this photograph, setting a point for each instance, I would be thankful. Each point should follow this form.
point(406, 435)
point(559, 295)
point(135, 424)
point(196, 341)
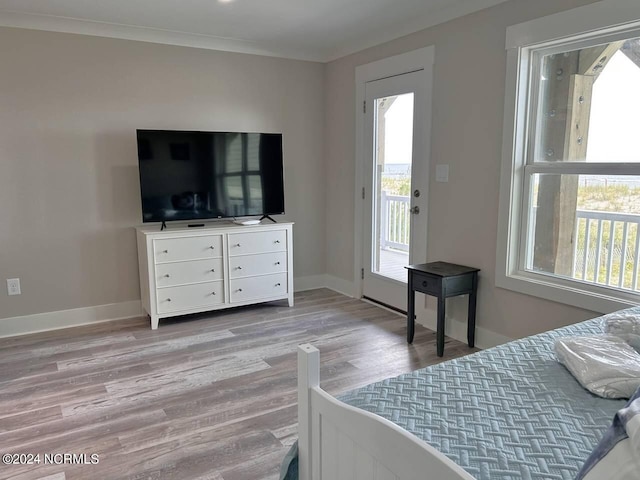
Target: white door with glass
point(396, 180)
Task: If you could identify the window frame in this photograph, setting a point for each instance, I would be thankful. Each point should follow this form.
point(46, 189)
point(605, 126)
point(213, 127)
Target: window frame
point(574, 29)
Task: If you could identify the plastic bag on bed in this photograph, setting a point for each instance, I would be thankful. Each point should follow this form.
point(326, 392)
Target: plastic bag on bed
point(622, 322)
point(603, 364)
point(631, 339)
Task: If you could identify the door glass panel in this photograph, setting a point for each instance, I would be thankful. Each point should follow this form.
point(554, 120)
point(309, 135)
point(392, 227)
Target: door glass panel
point(393, 156)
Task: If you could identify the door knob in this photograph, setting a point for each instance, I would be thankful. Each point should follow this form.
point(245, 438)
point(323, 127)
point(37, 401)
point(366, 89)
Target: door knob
point(415, 210)
point(416, 193)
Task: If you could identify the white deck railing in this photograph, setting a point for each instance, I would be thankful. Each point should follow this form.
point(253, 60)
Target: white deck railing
point(395, 221)
point(607, 248)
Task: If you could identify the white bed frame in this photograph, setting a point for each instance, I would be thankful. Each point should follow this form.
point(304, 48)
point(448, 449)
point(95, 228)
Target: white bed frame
point(340, 442)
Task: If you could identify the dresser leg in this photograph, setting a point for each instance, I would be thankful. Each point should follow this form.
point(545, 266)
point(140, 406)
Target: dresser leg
point(290, 300)
point(154, 322)
point(440, 326)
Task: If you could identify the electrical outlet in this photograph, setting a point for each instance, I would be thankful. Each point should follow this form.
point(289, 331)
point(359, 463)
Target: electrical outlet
point(13, 286)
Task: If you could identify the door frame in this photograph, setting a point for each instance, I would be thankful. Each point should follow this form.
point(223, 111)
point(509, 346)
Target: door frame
point(415, 60)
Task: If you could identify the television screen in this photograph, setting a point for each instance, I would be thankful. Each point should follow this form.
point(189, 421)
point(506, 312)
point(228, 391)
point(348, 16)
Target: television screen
point(199, 175)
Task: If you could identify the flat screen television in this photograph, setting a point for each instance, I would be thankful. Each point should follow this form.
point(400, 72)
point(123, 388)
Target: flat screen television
point(202, 175)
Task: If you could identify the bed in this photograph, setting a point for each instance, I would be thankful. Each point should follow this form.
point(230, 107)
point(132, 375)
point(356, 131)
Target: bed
point(509, 412)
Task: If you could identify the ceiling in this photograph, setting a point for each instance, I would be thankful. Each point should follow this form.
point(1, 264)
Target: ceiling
point(318, 30)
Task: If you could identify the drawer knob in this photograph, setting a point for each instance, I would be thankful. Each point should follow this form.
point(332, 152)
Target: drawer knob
point(277, 263)
point(277, 241)
point(237, 244)
point(277, 284)
point(424, 284)
point(211, 247)
point(239, 289)
point(213, 270)
point(239, 268)
point(168, 299)
point(213, 293)
point(167, 275)
point(165, 251)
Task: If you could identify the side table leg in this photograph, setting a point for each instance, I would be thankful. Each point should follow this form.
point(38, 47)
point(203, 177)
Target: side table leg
point(411, 310)
point(471, 320)
point(440, 326)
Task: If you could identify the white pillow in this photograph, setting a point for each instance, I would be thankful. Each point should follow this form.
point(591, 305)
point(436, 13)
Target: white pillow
point(603, 364)
point(622, 322)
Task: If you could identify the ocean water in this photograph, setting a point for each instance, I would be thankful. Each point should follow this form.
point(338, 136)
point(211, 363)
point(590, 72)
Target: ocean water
point(400, 169)
point(404, 169)
point(610, 180)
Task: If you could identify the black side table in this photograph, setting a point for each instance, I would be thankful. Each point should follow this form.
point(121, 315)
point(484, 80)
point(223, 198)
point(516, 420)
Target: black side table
point(442, 280)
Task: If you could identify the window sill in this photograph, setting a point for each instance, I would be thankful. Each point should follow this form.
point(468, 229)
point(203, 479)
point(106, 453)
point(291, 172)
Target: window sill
point(588, 297)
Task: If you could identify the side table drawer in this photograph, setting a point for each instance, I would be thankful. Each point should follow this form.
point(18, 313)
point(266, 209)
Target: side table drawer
point(426, 283)
point(460, 285)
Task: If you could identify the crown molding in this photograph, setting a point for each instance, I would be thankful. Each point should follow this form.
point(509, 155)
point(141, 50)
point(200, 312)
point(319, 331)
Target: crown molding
point(80, 26)
point(93, 28)
point(437, 17)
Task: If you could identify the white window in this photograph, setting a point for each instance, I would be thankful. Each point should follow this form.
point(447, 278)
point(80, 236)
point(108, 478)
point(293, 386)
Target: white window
point(570, 197)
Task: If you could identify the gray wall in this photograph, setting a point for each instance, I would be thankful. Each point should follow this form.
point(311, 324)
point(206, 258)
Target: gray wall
point(69, 192)
point(468, 107)
point(69, 106)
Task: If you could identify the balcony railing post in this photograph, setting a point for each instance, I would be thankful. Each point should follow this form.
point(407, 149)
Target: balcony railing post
point(396, 221)
point(384, 219)
point(629, 247)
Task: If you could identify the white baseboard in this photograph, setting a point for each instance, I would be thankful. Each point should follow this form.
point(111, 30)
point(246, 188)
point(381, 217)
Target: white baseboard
point(340, 285)
point(457, 329)
point(312, 282)
point(44, 322)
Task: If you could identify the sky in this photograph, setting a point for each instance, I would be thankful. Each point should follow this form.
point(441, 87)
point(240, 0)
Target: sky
point(614, 124)
point(614, 128)
point(399, 130)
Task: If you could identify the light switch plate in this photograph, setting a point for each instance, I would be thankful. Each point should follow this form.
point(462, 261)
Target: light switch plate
point(442, 173)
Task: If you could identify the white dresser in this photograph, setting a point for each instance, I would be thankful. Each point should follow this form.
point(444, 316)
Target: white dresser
point(189, 270)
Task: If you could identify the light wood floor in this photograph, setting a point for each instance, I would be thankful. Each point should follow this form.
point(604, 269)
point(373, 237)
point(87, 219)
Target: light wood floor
point(206, 397)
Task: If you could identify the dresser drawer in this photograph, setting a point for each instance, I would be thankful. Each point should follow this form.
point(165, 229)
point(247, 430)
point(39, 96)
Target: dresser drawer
point(189, 297)
point(187, 248)
point(428, 284)
point(195, 271)
point(250, 265)
point(258, 242)
point(242, 289)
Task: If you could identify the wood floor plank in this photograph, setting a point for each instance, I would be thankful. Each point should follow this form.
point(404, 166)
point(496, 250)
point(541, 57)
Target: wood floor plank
point(208, 396)
point(27, 419)
point(67, 432)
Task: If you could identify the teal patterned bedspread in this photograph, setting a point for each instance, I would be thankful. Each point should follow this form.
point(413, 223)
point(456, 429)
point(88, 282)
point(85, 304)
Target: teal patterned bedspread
point(509, 412)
